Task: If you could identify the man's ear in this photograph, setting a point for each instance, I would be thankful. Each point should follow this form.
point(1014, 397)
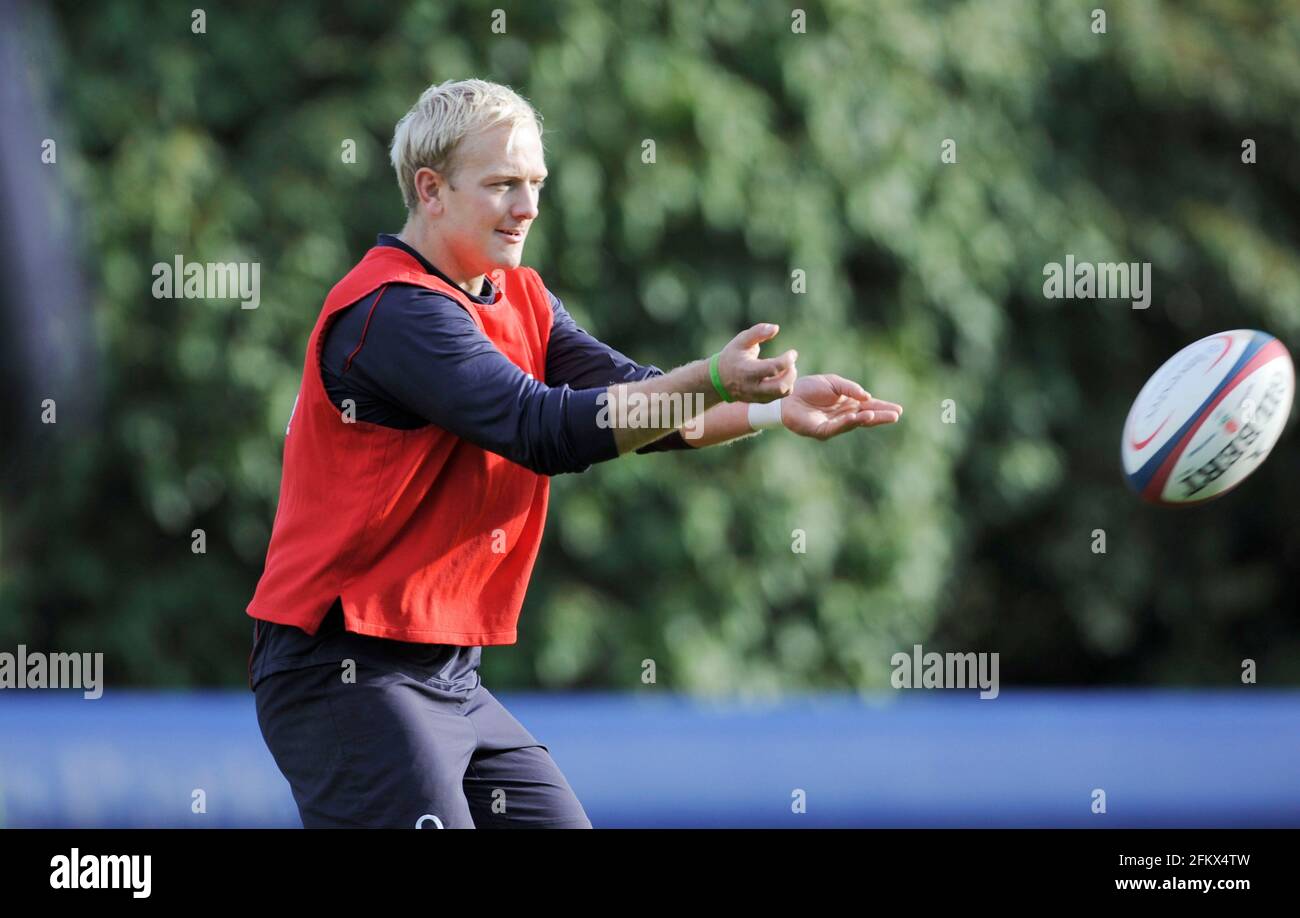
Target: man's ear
point(430, 188)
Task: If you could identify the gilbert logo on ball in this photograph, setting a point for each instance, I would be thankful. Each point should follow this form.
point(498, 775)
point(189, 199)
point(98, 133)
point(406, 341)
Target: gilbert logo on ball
point(1208, 417)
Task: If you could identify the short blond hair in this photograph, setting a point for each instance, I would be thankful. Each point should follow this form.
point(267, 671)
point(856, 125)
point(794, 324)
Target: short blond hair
point(445, 114)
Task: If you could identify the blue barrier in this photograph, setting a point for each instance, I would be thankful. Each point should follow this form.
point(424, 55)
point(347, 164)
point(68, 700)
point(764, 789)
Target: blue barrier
point(1164, 758)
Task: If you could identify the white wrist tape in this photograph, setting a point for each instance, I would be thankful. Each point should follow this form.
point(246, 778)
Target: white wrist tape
point(766, 416)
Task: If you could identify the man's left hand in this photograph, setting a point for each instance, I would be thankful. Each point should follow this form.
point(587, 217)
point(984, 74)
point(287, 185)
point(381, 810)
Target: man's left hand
point(827, 405)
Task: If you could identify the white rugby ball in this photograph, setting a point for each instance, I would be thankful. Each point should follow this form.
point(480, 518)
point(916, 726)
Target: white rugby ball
point(1208, 417)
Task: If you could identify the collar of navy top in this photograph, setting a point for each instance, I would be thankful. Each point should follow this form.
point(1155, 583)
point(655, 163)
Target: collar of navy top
point(486, 293)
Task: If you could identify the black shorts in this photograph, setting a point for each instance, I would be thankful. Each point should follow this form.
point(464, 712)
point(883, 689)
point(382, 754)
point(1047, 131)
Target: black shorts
point(392, 750)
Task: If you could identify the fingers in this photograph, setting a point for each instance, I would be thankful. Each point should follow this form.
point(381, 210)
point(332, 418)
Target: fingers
point(756, 335)
point(877, 404)
point(854, 390)
point(775, 366)
point(767, 380)
point(848, 387)
point(773, 387)
point(876, 418)
point(779, 386)
point(837, 426)
point(866, 401)
point(747, 377)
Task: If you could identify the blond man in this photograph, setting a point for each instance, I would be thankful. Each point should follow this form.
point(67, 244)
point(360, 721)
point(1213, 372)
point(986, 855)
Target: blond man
point(443, 385)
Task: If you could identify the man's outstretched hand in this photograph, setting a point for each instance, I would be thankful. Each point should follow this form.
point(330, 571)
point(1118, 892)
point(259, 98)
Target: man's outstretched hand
point(826, 405)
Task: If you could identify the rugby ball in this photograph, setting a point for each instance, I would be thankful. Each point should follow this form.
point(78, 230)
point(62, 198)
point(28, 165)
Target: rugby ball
point(1208, 417)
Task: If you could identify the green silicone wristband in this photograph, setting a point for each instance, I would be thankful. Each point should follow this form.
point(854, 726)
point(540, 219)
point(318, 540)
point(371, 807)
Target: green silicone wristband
point(717, 378)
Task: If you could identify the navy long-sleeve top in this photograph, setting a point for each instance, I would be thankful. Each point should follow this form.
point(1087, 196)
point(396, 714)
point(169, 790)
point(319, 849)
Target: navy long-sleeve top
point(397, 363)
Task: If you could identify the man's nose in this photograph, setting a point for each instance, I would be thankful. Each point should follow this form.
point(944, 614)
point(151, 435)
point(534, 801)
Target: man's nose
point(526, 206)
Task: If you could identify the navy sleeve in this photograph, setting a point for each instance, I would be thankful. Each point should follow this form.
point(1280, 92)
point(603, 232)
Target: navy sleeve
point(575, 358)
point(422, 351)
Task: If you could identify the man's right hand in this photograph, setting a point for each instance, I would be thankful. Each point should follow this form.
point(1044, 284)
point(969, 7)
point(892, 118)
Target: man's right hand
point(746, 377)
point(750, 378)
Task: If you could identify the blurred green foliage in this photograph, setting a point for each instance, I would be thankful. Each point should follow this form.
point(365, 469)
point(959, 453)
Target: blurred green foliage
point(776, 151)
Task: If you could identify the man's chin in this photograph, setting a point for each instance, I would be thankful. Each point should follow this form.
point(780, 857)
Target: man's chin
point(509, 262)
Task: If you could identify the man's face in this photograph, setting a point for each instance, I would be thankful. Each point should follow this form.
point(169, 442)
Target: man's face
point(495, 191)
